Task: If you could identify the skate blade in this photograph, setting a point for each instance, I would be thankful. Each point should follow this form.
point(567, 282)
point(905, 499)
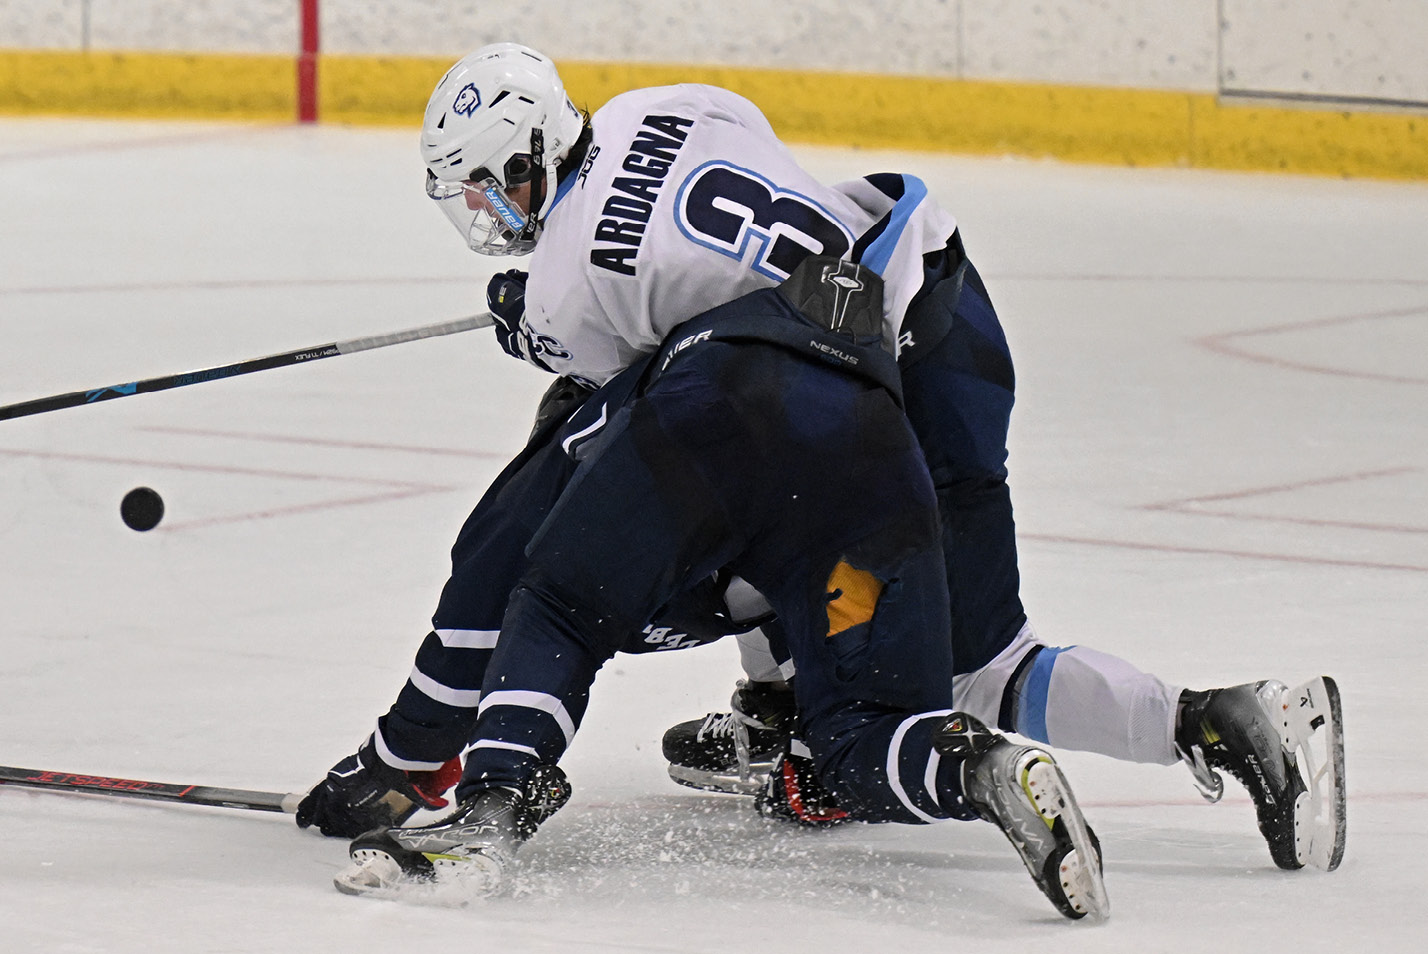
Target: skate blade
point(725, 783)
point(370, 874)
point(1078, 875)
point(454, 881)
point(1311, 725)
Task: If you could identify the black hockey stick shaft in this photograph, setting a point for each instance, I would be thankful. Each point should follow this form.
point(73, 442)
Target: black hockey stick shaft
point(159, 791)
point(301, 356)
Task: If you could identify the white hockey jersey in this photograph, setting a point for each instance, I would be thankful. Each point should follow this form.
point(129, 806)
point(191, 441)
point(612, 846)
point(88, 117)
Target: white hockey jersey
point(686, 200)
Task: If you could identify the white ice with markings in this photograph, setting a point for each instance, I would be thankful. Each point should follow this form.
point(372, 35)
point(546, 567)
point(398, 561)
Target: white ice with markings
point(1219, 462)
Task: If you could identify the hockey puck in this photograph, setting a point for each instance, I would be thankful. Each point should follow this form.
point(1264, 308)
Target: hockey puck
point(142, 509)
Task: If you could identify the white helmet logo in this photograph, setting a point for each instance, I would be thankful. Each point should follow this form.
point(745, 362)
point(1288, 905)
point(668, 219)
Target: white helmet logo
point(467, 101)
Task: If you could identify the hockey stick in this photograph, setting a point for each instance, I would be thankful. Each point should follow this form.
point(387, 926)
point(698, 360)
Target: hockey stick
point(160, 791)
point(74, 398)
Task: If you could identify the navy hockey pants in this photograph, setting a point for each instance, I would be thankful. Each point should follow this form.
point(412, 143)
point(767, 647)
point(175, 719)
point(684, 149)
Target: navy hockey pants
point(435, 713)
point(958, 389)
point(803, 480)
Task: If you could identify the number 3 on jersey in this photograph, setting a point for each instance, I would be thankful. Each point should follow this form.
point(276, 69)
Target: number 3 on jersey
point(726, 208)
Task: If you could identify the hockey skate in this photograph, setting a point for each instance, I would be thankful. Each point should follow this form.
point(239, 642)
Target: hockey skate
point(732, 752)
point(1020, 789)
point(464, 856)
point(1286, 747)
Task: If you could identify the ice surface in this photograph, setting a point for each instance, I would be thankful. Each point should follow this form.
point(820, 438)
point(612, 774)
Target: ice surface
point(1219, 460)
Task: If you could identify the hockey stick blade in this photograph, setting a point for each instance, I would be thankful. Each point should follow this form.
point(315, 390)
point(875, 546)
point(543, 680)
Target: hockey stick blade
point(56, 402)
point(158, 791)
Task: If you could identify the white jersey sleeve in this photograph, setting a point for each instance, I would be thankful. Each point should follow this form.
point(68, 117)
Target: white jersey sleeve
point(687, 200)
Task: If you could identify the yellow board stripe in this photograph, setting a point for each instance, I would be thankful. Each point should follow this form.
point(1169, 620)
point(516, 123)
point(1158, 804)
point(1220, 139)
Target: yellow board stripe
point(148, 85)
point(1080, 124)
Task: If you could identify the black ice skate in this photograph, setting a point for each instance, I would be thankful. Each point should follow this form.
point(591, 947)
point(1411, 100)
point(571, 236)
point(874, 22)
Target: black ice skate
point(733, 752)
point(1286, 747)
point(1020, 789)
point(467, 853)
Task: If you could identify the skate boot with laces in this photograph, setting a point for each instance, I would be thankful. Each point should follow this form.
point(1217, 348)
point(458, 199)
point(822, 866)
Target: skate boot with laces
point(467, 853)
point(1285, 746)
point(734, 751)
point(1021, 790)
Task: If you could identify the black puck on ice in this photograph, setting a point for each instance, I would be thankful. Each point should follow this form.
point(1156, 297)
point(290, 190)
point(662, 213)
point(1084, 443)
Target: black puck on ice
point(142, 509)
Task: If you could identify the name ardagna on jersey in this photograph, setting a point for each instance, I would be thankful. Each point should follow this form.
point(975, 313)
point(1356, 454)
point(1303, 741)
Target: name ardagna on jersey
point(631, 200)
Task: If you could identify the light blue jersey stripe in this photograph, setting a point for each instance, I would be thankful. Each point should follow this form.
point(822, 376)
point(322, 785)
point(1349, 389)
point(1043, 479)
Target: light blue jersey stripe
point(1031, 721)
point(562, 189)
point(880, 252)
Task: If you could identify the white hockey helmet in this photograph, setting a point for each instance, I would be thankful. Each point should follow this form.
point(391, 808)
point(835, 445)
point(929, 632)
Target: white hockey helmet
point(498, 118)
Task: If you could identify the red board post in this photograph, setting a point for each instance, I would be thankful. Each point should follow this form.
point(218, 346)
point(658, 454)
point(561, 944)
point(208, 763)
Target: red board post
point(307, 64)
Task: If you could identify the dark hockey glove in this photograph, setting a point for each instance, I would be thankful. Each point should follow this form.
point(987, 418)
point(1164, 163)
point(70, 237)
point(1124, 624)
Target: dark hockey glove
point(559, 402)
point(794, 793)
point(506, 299)
point(362, 792)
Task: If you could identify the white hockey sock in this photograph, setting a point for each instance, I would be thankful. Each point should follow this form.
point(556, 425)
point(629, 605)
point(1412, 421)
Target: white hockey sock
point(1074, 698)
point(1070, 698)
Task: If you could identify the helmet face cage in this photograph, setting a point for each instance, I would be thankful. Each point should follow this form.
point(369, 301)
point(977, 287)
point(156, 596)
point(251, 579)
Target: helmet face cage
point(486, 130)
point(495, 227)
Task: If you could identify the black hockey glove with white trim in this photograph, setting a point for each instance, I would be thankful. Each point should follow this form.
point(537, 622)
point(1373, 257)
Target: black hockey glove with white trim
point(794, 793)
point(506, 299)
point(559, 402)
point(362, 792)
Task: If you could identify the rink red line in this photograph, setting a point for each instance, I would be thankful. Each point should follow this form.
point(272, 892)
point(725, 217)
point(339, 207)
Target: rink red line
point(1201, 279)
point(321, 442)
point(1187, 504)
point(228, 285)
point(1329, 321)
point(301, 509)
point(1298, 521)
point(1293, 485)
point(1215, 551)
point(223, 469)
point(1224, 349)
point(1302, 521)
point(401, 489)
point(408, 488)
point(1222, 344)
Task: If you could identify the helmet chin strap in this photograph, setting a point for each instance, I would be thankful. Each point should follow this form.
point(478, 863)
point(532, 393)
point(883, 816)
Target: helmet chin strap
point(549, 190)
point(538, 160)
